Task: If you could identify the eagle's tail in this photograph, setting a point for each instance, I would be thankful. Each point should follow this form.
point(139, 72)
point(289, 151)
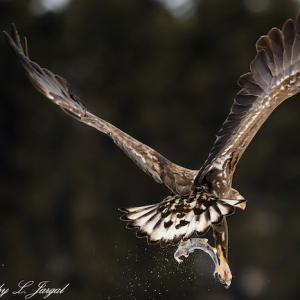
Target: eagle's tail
point(178, 217)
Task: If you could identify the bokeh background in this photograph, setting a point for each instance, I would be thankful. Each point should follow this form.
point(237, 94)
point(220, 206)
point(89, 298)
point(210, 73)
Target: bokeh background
point(165, 72)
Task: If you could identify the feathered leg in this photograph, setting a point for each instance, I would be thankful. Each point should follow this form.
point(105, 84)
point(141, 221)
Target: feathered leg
point(221, 242)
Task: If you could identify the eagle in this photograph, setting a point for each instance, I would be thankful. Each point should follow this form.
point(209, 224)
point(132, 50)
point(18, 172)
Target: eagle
point(199, 199)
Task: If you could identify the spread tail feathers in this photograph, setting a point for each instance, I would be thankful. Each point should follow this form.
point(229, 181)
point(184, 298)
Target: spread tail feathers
point(178, 217)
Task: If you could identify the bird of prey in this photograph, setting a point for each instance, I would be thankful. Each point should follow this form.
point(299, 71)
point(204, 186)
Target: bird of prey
point(200, 199)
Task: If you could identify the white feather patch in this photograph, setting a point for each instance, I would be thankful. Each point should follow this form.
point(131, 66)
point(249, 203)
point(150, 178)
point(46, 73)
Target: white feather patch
point(214, 214)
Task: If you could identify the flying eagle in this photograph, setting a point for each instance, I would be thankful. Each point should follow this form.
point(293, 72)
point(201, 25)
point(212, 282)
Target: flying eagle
point(200, 199)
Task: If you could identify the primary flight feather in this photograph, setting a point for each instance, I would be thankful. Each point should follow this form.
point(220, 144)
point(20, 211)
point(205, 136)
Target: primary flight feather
point(200, 199)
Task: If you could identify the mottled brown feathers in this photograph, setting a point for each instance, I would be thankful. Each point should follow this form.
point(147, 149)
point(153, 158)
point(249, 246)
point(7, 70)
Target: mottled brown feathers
point(199, 198)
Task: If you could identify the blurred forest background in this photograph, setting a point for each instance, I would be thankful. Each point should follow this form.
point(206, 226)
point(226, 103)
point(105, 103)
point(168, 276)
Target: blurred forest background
point(165, 72)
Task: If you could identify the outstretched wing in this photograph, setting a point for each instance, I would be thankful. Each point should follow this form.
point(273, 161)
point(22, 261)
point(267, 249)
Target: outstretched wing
point(274, 77)
point(54, 87)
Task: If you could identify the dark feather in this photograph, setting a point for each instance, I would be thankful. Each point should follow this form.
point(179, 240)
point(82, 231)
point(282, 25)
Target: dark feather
point(264, 43)
point(257, 76)
point(243, 98)
point(261, 62)
point(289, 32)
point(248, 82)
point(296, 44)
point(277, 47)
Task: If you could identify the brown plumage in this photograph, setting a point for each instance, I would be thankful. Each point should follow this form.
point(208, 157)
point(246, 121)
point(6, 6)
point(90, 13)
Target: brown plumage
point(200, 198)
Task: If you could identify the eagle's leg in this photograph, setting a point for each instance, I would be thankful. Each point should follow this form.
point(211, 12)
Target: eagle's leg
point(221, 240)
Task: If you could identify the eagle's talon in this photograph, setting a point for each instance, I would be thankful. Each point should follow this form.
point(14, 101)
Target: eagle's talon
point(225, 275)
point(177, 258)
